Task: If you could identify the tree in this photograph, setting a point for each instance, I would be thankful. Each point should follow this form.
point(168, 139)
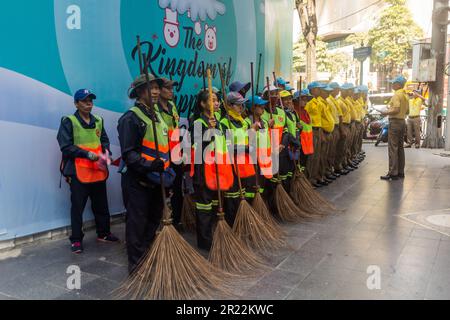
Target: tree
point(334, 63)
point(308, 18)
point(393, 35)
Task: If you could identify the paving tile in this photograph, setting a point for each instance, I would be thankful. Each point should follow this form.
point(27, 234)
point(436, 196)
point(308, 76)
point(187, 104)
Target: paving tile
point(268, 292)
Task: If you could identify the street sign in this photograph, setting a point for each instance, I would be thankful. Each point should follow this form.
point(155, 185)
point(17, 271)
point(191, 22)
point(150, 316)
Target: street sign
point(362, 53)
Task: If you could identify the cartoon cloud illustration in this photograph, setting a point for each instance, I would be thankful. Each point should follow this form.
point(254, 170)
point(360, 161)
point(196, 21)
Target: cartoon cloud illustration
point(199, 9)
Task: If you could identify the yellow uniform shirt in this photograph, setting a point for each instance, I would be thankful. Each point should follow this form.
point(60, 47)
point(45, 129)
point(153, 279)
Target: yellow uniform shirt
point(314, 110)
point(351, 105)
point(415, 106)
point(346, 116)
point(399, 104)
point(335, 109)
point(327, 115)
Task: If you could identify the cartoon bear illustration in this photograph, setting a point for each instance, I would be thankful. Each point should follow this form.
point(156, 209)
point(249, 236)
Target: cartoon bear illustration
point(210, 38)
point(171, 28)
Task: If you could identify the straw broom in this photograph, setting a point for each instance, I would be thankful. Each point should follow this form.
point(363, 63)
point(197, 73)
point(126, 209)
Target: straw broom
point(311, 198)
point(286, 208)
point(172, 269)
point(228, 252)
point(248, 226)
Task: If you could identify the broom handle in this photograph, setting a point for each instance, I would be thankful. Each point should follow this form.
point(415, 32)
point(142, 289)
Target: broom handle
point(153, 118)
point(225, 101)
point(204, 80)
point(276, 84)
point(141, 69)
point(254, 121)
point(270, 101)
point(211, 117)
point(259, 72)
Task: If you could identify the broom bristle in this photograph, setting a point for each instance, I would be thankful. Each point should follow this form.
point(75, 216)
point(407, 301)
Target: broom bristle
point(188, 213)
point(231, 255)
point(254, 231)
point(261, 208)
point(173, 270)
point(297, 194)
point(287, 210)
point(313, 198)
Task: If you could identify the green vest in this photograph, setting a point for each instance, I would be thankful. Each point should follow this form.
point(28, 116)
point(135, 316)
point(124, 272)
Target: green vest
point(240, 135)
point(219, 141)
point(172, 120)
point(291, 123)
point(149, 151)
point(86, 138)
point(88, 171)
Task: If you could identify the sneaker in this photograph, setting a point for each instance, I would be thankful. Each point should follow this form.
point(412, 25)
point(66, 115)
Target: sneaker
point(77, 247)
point(109, 238)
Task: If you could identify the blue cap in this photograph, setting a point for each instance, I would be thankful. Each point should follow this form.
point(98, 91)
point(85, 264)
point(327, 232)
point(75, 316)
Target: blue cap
point(399, 79)
point(257, 101)
point(316, 84)
point(288, 88)
point(82, 94)
point(328, 88)
point(363, 89)
point(303, 93)
point(334, 85)
point(238, 86)
point(280, 81)
point(348, 86)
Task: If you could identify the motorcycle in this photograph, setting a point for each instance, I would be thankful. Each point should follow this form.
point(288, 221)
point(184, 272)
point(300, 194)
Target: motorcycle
point(383, 135)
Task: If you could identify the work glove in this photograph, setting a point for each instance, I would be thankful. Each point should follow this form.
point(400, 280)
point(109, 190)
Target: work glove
point(92, 156)
point(157, 166)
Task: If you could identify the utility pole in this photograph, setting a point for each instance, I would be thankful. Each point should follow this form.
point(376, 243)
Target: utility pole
point(433, 138)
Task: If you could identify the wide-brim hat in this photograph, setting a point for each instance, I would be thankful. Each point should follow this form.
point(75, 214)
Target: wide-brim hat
point(140, 81)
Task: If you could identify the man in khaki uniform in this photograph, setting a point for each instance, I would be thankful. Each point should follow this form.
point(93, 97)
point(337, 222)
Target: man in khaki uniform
point(333, 90)
point(341, 159)
point(397, 111)
point(314, 109)
point(414, 123)
point(347, 91)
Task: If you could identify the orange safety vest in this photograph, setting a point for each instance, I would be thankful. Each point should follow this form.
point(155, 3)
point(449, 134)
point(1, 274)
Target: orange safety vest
point(88, 171)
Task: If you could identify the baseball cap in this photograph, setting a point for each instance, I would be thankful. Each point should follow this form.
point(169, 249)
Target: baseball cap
point(82, 94)
point(399, 79)
point(348, 86)
point(334, 85)
point(280, 81)
point(238, 86)
point(316, 84)
point(256, 100)
point(168, 83)
point(236, 98)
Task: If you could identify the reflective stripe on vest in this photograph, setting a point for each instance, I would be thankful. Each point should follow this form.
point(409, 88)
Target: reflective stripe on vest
point(88, 171)
point(240, 137)
point(149, 151)
point(216, 150)
point(306, 138)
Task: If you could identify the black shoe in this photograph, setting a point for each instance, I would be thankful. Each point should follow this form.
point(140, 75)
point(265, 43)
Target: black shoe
point(353, 166)
point(329, 181)
point(401, 176)
point(349, 169)
point(330, 177)
point(389, 177)
point(77, 247)
point(417, 147)
point(323, 183)
point(317, 185)
point(110, 238)
point(342, 172)
point(336, 174)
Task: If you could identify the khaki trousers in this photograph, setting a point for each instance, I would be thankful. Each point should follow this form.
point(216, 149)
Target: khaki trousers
point(313, 162)
point(341, 151)
point(413, 130)
point(396, 135)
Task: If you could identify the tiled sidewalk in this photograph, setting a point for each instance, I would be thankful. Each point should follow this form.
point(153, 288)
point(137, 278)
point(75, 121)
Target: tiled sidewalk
point(328, 258)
